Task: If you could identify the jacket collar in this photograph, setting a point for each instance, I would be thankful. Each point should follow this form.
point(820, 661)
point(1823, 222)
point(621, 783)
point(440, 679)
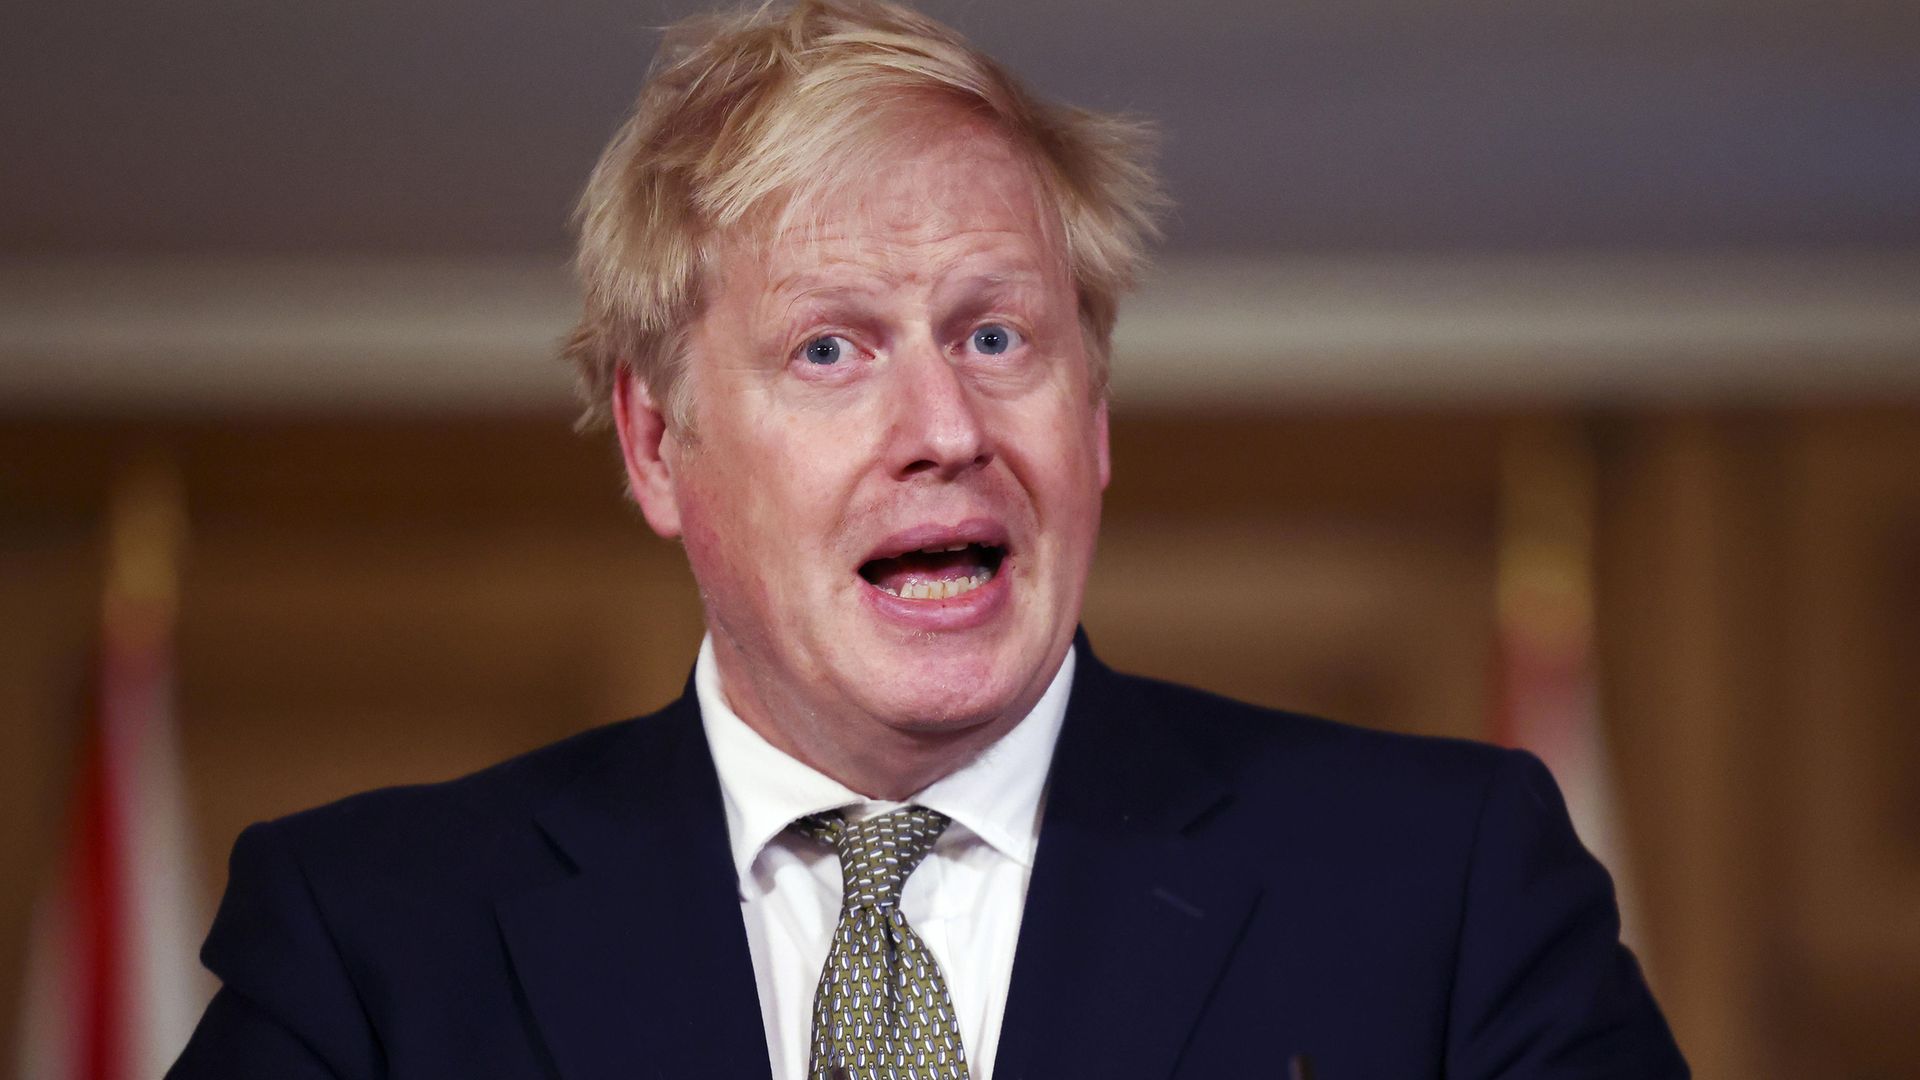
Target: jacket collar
point(635, 962)
point(1129, 920)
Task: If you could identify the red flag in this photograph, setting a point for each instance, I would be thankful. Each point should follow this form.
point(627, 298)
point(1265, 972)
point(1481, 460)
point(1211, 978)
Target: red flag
point(1547, 680)
point(113, 986)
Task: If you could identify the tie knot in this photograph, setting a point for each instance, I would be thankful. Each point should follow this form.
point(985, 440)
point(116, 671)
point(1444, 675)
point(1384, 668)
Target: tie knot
point(877, 854)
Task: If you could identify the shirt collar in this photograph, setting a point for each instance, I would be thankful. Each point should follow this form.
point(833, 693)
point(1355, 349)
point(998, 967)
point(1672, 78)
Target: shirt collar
point(996, 796)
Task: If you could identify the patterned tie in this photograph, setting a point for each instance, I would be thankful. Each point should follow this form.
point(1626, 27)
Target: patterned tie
point(882, 1010)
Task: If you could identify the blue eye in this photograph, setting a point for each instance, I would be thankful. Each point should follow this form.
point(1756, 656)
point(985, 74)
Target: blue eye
point(994, 339)
point(830, 349)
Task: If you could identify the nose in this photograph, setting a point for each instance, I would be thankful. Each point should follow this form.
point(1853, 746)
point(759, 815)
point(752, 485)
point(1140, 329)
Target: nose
point(937, 428)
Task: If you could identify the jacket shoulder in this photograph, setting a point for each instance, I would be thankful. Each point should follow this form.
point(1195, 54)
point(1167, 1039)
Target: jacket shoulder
point(1318, 756)
point(474, 827)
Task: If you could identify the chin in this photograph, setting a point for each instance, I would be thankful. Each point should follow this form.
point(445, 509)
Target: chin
point(942, 715)
point(934, 689)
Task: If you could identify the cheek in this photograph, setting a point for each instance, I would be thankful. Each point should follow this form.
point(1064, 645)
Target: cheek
point(1065, 452)
point(767, 521)
point(710, 538)
point(1069, 500)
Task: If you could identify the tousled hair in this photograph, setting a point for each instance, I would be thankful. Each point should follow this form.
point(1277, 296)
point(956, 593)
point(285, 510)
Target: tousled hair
point(740, 113)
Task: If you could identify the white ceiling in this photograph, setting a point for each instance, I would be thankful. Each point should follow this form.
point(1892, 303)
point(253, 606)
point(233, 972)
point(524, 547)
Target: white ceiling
point(466, 126)
point(316, 203)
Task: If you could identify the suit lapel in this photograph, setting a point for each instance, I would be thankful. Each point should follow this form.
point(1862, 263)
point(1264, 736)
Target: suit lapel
point(636, 964)
point(1128, 922)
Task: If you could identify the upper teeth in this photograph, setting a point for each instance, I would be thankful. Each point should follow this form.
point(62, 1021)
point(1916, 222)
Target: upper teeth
point(956, 547)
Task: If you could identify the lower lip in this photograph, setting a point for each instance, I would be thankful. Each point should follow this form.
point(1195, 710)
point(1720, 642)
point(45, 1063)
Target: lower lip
point(964, 612)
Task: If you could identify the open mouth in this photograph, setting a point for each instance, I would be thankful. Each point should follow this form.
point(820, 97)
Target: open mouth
point(935, 573)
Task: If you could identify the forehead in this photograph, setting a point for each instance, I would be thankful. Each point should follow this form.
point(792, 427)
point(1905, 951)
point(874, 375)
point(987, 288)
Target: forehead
point(942, 190)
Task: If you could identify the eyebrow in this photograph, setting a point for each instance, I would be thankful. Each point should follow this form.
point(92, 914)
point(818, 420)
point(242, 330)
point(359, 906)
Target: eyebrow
point(826, 279)
point(799, 290)
point(805, 284)
point(989, 288)
point(1000, 279)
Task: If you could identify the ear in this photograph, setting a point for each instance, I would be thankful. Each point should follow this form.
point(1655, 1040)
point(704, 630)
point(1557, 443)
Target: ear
point(1100, 443)
point(647, 448)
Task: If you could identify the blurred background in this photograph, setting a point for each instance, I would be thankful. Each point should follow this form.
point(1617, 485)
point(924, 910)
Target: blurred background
point(1547, 373)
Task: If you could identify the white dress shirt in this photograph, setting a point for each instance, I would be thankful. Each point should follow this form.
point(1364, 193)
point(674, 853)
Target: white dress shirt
point(964, 901)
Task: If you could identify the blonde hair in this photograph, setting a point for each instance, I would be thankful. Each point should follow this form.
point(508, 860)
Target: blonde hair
point(742, 110)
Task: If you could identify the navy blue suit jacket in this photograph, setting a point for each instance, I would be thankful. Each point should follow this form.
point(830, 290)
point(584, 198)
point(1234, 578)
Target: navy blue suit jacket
point(1217, 887)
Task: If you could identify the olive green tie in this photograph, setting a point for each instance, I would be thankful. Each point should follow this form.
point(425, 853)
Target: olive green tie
point(882, 1010)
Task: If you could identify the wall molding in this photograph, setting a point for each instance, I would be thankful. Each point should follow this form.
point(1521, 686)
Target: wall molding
point(1418, 330)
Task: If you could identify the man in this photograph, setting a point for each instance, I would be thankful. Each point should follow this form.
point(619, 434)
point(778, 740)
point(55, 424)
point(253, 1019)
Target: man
point(849, 296)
